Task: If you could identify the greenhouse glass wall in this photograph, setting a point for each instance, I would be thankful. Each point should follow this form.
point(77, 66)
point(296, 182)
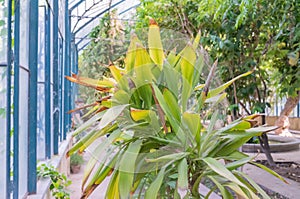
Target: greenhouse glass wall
point(39, 45)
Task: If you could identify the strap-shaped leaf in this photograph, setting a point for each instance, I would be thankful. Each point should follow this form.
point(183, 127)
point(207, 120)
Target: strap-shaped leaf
point(225, 193)
point(110, 115)
point(127, 168)
point(221, 88)
point(256, 186)
point(270, 171)
point(112, 191)
point(131, 54)
point(220, 169)
point(116, 72)
point(183, 174)
point(88, 123)
point(172, 102)
point(170, 157)
point(187, 63)
point(98, 152)
point(154, 43)
point(153, 189)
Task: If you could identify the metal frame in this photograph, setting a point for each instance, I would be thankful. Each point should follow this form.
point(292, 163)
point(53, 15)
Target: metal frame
point(93, 18)
point(98, 15)
point(64, 92)
point(32, 113)
point(56, 110)
point(66, 70)
point(16, 100)
point(47, 83)
point(8, 101)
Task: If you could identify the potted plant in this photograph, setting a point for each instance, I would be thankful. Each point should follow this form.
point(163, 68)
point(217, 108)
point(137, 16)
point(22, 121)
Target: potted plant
point(76, 160)
point(157, 147)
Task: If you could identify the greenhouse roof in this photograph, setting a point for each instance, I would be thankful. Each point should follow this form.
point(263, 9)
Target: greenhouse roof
point(85, 14)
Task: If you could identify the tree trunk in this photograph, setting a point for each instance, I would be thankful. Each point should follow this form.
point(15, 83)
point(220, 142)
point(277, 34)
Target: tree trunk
point(289, 106)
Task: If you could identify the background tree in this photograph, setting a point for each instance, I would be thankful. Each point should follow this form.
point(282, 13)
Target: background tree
point(245, 35)
point(108, 44)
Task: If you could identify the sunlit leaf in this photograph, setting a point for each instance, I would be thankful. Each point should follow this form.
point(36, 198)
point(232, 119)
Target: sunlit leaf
point(152, 191)
point(110, 115)
point(222, 170)
point(221, 88)
point(127, 168)
point(155, 46)
point(183, 174)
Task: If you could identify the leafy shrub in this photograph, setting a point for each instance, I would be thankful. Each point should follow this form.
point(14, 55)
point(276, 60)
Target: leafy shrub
point(152, 112)
point(59, 181)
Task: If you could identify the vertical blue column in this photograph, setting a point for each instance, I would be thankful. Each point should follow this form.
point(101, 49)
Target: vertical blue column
point(47, 84)
point(61, 92)
point(298, 110)
point(32, 104)
point(16, 100)
point(8, 100)
point(66, 69)
point(55, 79)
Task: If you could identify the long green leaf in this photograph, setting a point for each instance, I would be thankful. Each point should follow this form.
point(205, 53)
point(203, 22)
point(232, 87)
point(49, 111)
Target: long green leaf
point(193, 122)
point(98, 134)
point(155, 46)
point(187, 68)
point(152, 191)
point(220, 169)
point(88, 123)
point(270, 171)
point(172, 102)
point(238, 163)
point(183, 174)
point(96, 154)
point(112, 191)
point(174, 156)
point(225, 193)
point(110, 115)
point(131, 54)
point(256, 186)
point(221, 88)
point(127, 168)
point(174, 123)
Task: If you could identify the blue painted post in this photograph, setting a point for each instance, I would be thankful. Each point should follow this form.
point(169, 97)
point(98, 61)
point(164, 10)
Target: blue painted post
point(8, 100)
point(66, 69)
point(61, 91)
point(47, 84)
point(32, 104)
point(16, 100)
point(298, 110)
point(55, 79)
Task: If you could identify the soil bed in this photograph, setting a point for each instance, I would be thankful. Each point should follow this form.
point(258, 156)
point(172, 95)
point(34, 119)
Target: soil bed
point(289, 170)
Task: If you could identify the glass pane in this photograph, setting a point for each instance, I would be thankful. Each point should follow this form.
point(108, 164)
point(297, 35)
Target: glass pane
point(3, 44)
point(3, 31)
point(61, 16)
point(41, 87)
point(24, 33)
point(2, 130)
point(23, 132)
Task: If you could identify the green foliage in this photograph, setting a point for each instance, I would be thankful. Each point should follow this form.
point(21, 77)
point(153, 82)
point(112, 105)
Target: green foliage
point(108, 44)
point(245, 35)
point(157, 145)
point(2, 112)
point(76, 159)
point(59, 181)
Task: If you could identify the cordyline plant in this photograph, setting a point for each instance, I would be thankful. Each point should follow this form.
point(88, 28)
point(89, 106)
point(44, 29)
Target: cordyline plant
point(157, 147)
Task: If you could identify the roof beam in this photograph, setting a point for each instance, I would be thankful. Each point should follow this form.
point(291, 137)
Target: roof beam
point(101, 13)
point(76, 5)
